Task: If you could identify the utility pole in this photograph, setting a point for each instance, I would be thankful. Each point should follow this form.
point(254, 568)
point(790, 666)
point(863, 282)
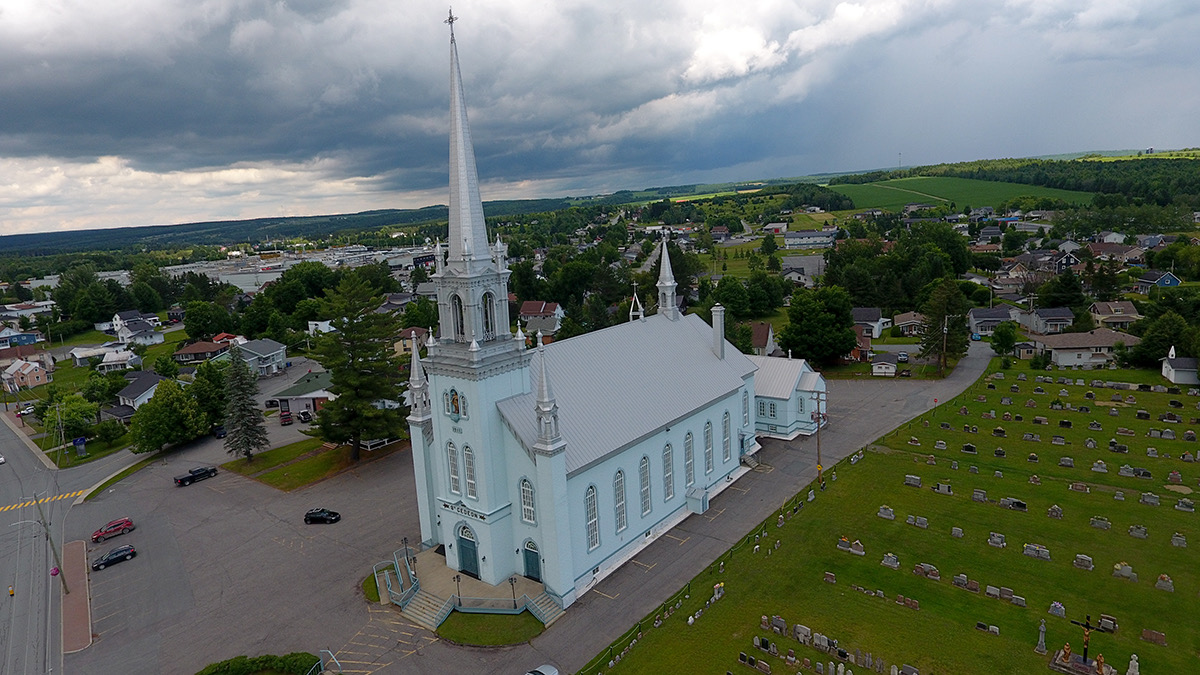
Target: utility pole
point(945, 336)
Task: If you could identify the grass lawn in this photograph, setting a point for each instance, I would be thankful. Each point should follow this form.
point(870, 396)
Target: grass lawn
point(319, 466)
point(490, 629)
point(273, 458)
point(371, 587)
point(95, 450)
point(941, 636)
point(894, 194)
point(91, 337)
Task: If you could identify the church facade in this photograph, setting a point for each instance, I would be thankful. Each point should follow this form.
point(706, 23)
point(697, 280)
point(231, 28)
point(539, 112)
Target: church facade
point(560, 462)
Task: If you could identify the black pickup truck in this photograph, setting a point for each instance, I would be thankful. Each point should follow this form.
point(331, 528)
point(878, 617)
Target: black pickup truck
point(199, 473)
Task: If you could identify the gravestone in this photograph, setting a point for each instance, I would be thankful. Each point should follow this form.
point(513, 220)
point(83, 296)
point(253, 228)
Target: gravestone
point(1149, 499)
point(1067, 462)
point(1113, 412)
point(891, 560)
point(1100, 523)
point(1125, 470)
point(992, 592)
point(912, 481)
point(973, 586)
point(939, 445)
point(973, 469)
point(1138, 531)
point(1174, 477)
point(1095, 426)
point(1057, 609)
point(1064, 424)
point(1084, 562)
point(969, 448)
point(1055, 512)
point(1036, 551)
point(999, 452)
point(1154, 636)
point(942, 488)
point(885, 511)
point(954, 465)
point(1058, 440)
point(1090, 443)
point(922, 522)
point(1007, 417)
point(997, 540)
point(1178, 540)
point(1168, 434)
point(960, 580)
point(1005, 400)
point(1006, 593)
point(830, 578)
point(998, 474)
point(1018, 600)
point(1080, 487)
point(1119, 496)
point(979, 495)
point(1164, 583)
point(1186, 505)
point(1099, 466)
point(956, 532)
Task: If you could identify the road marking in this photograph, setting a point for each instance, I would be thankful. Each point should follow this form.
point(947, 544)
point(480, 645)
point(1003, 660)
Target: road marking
point(741, 490)
point(610, 597)
point(681, 541)
point(43, 500)
point(648, 567)
point(714, 515)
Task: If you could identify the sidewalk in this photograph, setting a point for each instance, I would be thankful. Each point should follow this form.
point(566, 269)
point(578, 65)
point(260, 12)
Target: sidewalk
point(37, 452)
point(76, 605)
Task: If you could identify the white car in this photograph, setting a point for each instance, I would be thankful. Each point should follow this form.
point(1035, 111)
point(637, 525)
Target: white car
point(543, 670)
point(1, 459)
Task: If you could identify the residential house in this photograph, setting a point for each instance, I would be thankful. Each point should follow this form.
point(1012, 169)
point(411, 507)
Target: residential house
point(82, 356)
point(1047, 320)
point(21, 374)
point(1117, 252)
point(1091, 349)
point(310, 392)
point(1024, 350)
point(1069, 246)
point(809, 239)
point(9, 355)
point(786, 395)
point(1108, 237)
point(409, 339)
point(871, 318)
point(884, 364)
point(119, 360)
point(910, 324)
point(720, 233)
point(122, 318)
point(1155, 278)
point(141, 388)
point(11, 336)
point(983, 320)
point(396, 303)
point(539, 315)
point(176, 314)
point(199, 352)
point(988, 233)
point(137, 331)
point(862, 345)
point(762, 338)
point(1179, 369)
point(265, 356)
point(1116, 315)
point(317, 327)
point(229, 339)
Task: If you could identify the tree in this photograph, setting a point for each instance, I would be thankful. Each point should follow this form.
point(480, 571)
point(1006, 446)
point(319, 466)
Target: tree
point(419, 276)
point(169, 418)
point(1063, 290)
point(103, 387)
point(820, 325)
point(245, 430)
point(946, 335)
point(741, 335)
point(421, 313)
point(209, 389)
point(769, 245)
point(72, 416)
point(166, 366)
point(109, 432)
point(1168, 330)
point(202, 320)
point(1004, 338)
point(362, 367)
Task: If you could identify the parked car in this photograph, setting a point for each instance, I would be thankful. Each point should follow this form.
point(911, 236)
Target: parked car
point(219, 431)
point(1, 459)
point(193, 475)
point(321, 516)
point(304, 416)
point(27, 410)
point(285, 418)
point(976, 337)
point(112, 529)
point(544, 670)
point(272, 403)
point(902, 357)
point(114, 556)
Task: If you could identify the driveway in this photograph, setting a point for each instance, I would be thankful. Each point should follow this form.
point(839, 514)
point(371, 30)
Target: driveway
point(227, 567)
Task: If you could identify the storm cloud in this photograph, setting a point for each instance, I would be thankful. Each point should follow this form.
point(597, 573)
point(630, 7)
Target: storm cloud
point(160, 111)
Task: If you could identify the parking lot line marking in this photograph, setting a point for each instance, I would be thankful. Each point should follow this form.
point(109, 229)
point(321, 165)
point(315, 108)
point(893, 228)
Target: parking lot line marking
point(681, 541)
point(642, 564)
point(610, 597)
point(739, 489)
point(714, 515)
point(43, 500)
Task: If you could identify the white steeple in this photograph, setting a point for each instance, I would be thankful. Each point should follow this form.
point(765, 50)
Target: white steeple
point(418, 386)
point(635, 307)
point(468, 234)
point(549, 440)
point(666, 285)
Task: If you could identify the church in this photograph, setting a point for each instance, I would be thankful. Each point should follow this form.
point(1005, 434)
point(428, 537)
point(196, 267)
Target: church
point(578, 454)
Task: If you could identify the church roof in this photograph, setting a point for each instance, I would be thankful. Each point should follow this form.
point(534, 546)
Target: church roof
point(778, 378)
point(616, 386)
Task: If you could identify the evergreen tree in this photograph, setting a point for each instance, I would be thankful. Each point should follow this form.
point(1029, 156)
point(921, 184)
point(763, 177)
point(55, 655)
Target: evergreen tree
point(946, 334)
point(362, 367)
point(245, 430)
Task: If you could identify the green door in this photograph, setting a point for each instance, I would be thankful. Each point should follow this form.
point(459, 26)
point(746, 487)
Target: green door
point(468, 558)
point(533, 562)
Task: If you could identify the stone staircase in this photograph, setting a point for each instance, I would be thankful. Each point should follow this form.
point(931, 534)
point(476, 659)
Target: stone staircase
point(424, 609)
point(750, 461)
point(549, 608)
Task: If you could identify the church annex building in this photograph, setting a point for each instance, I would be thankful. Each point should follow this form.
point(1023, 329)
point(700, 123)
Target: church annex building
point(560, 462)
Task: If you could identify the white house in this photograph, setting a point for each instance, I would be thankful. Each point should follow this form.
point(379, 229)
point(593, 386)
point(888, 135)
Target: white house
point(265, 356)
point(1091, 349)
point(787, 393)
point(1179, 369)
point(884, 364)
point(872, 319)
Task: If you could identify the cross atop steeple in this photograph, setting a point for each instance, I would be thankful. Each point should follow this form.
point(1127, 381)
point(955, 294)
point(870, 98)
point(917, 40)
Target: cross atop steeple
point(450, 20)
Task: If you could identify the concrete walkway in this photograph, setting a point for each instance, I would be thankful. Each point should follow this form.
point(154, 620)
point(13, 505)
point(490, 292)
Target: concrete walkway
point(76, 607)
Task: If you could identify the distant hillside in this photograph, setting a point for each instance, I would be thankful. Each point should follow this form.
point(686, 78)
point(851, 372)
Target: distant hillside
point(893, 194)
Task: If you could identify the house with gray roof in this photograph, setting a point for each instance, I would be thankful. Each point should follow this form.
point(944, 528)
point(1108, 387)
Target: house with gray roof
point(1179, 369)
point(1047, 320)
point(786, 394)
point(872, 320)
point(983, 320)
point(265, 356)
point(563, 461)
point(1092, 349)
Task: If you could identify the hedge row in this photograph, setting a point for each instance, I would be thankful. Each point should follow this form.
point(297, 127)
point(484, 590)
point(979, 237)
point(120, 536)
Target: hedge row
point(296, 663)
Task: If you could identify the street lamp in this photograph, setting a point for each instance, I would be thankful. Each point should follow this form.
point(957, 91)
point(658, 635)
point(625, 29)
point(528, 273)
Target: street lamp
point(818, 417)
point(458, 588)
point(512, 581)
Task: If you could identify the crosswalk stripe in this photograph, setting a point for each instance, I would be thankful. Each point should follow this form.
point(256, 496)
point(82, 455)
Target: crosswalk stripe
point(43, 500)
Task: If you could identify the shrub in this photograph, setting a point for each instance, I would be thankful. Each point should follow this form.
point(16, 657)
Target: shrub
point(1005, 363)
point(297, 663)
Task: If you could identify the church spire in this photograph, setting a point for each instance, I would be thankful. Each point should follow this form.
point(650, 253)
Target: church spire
point(468, 233)
point(635, 306)
point(666, 285)
point(418, 385)
point(549, 440)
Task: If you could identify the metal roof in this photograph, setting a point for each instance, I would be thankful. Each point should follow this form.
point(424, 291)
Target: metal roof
point(778, 378)
point(615, 386)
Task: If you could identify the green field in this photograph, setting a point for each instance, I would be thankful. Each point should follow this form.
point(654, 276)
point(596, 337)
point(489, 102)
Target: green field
point(892, 195)
point(941, 637)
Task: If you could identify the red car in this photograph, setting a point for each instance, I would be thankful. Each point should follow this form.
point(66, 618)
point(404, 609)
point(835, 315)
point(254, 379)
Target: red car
point(118, 526)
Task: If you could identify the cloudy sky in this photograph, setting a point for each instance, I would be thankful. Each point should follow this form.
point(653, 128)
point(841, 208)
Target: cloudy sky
point(144, 112)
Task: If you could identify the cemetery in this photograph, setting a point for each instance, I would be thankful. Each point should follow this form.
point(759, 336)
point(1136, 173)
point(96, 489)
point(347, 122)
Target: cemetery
point(1087, 541)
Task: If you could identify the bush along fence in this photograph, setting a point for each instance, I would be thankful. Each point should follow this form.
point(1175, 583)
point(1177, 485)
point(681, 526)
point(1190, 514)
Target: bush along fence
point(612, 655)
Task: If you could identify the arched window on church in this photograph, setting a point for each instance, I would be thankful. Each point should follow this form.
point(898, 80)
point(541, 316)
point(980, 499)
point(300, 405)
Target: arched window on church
point(619, 499)
point(489, 316)
point(668, 473)
point(456, 312)
point(593, 519)
point(452, 463)
point(527, 512)
point(689, 460)
point(708, 453)
point(644, 483)
point(469, 470)
point(745, 409)
point(725, 437)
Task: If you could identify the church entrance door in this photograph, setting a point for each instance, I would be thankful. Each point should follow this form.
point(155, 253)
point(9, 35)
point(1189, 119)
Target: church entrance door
point(468, 558)
point(533, 562)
